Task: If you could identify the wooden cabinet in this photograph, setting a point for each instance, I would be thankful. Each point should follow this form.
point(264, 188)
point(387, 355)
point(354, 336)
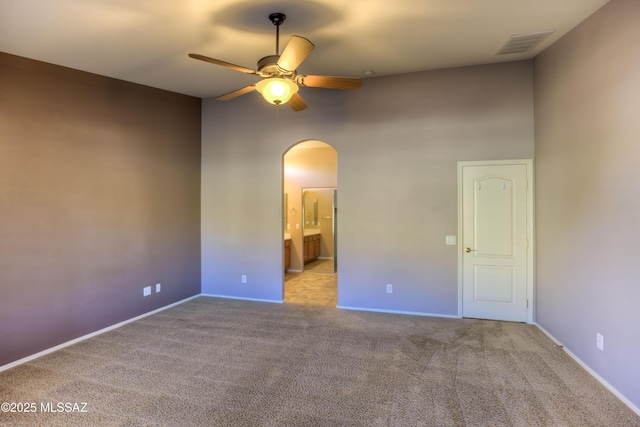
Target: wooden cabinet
point(311, 248)
point(287, 254)
point(307, 248)
point(316, 246)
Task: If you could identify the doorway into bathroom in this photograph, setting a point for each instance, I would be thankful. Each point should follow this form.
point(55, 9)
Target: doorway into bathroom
point(310, 224)
point(319, 209)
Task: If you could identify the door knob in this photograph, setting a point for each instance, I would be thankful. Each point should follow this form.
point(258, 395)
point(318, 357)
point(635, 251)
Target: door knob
point(470, 250)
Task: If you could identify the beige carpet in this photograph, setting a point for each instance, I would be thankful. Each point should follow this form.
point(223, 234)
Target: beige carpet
point(216, 362)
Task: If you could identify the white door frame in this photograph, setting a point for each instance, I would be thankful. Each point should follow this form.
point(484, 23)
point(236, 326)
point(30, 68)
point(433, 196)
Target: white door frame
point(530, 228)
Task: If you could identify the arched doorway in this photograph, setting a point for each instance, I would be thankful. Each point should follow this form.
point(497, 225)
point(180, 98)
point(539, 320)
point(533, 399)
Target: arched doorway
point(310, 223)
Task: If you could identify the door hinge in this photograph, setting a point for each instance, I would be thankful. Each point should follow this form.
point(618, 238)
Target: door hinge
point(527, 240)
point(527, 304)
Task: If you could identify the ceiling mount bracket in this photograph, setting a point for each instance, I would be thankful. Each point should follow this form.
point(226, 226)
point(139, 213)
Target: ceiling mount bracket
point(277, 18)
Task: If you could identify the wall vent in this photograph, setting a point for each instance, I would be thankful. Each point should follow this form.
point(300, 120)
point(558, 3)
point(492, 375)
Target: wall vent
point(520, 43)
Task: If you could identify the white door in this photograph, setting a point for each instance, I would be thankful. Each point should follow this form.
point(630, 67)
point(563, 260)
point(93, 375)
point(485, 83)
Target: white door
point(496, 222)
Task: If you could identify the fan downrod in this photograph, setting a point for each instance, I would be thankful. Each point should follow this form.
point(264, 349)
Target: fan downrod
point(277, 18)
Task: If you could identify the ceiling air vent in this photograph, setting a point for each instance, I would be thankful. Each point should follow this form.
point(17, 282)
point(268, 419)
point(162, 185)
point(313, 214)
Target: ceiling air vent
point(520, 43)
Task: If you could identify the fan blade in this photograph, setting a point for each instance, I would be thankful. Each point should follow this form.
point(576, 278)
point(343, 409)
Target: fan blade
point(294, 53)
point(236, 93)
point(349, 83)
point(222, 63)
point(297, 103)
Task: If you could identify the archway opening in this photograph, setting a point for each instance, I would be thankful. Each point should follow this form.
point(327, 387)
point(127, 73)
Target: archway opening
point(310, 224)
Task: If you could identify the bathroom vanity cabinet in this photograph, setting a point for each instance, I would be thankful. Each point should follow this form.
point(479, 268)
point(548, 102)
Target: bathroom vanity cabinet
point(287, 254)
point(311, 248)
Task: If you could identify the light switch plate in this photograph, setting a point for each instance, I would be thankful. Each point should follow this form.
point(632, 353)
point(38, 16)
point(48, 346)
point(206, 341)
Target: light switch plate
point(450, 240)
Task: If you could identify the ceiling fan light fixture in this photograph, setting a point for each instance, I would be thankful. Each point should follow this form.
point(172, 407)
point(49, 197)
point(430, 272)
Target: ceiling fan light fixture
point(276, 90)
point(280, 80)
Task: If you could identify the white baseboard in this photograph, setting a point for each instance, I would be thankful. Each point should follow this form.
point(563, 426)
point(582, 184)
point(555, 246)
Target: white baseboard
point(243, 299)
point(290, 270)
point(325, 257)
point(593, 373)
point(91, 335)
point(412, 313)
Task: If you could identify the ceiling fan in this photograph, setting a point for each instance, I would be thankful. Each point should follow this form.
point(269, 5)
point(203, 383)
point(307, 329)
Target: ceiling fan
point(280, 81)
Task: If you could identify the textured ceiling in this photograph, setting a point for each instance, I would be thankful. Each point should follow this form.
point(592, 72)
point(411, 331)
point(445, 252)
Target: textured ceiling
point(147, 41)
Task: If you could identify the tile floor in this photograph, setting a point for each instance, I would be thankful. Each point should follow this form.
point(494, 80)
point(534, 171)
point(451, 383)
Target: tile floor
point(317, 285)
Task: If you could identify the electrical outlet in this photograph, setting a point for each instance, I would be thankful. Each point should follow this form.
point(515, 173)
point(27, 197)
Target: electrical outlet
point(450, 240)
point(244, 278)
point(389, 288)
point(146, 291)
point(158, 287)
point(599, 342)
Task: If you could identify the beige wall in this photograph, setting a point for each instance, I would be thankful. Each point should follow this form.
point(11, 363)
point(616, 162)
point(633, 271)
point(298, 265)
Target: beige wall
point(99, 197)
point(325, 218)
point(307, 168)
point(587, 100)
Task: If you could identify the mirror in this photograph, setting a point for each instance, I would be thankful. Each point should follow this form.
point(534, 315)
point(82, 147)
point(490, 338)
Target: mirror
point(310, 210)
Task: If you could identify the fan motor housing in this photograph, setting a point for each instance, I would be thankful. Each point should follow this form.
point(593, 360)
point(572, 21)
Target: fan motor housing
point(268, 66)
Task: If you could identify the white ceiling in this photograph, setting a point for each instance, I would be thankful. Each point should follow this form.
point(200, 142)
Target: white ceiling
point(147, 41)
